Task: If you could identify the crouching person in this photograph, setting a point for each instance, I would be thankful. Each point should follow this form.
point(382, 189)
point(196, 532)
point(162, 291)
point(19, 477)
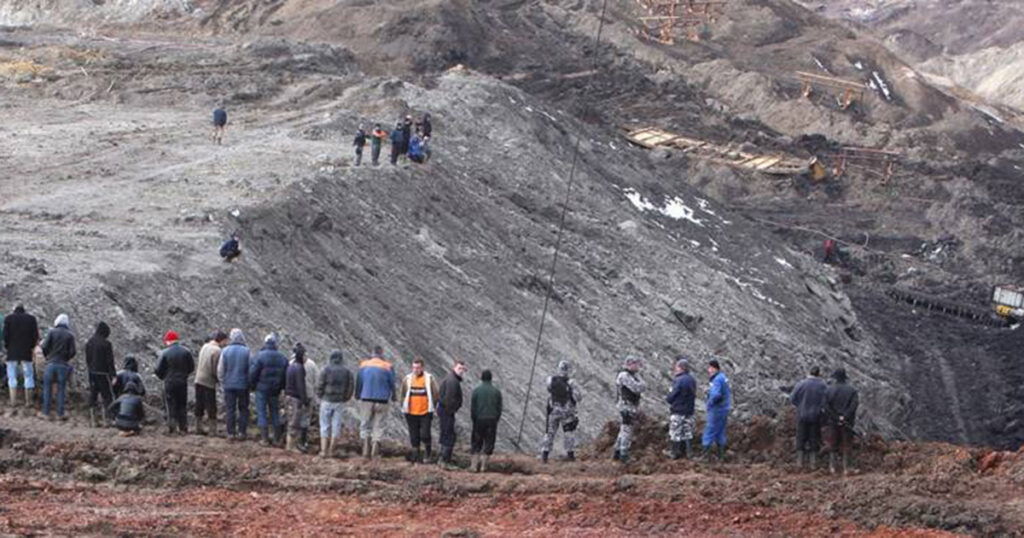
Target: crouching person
point(128, 411)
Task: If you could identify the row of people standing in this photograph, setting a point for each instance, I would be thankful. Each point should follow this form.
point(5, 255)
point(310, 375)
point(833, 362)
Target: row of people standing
point(410, 140)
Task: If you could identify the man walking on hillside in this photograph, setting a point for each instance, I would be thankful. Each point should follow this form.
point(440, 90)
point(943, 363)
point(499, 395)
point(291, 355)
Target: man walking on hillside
point(681, 407)
point(449, 404)
point(99, 359)
point(21, 335)
point(206, 381)
point(233, 372)
point(484, 411)
point(719, 402)
point(359, 142)
point(841, 411)
point(419, 393)
point(334, 387)
point(563, 396)
point(267, 378)
point(375, 387)
point(175, 365)
point(629, 387)
point(59, 348)
point(809, 399)
point(220, 123)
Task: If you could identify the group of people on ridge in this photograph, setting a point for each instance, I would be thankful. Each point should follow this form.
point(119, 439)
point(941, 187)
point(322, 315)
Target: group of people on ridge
point(408, 139)
point(225, 359)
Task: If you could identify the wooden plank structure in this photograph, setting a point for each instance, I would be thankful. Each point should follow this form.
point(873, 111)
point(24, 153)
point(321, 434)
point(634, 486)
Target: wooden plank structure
point(664, 16)
point(880, 161)
point(774, 164)
point(851, 89)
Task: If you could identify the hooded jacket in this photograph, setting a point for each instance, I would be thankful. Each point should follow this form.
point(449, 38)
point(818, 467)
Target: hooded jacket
point(128, 410)
point(99, 354)
point(268, 370)
point(335, 383)
point(841, 401)
point(21, 335)
point(295, 382)
point(59, 344)
point(175, 365)
point(809, 398)
point(233, 367)
point(129, 374)
point(485, 403)
point(684, 392)
point(451, 393)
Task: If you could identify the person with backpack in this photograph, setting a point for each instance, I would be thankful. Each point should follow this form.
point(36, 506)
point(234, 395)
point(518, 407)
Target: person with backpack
point(563, 396)
point(681, 406)
point(485, 408)
point(719, 402)
point(359, 142)
point(20, 335)
point(419, 393)
point(59, 348)
point(398, 142)
point(99, 359)
point(809, 399)
point(267, 379)
point(377, 137)
point(629, 388)
point(128, 411)
point(175, 365)
point(220, 122)
point(231, 249)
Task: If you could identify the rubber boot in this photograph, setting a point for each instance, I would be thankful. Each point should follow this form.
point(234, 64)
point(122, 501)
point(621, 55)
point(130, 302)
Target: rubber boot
point(289, 442)
point(831, 463)
point(428, 454)
point(544, 456)
point(721, 453)
point(278, 435)
point(366, 448)
point(14, 397)
point(474, 460)
point(325, 447)
point(483, 463)
point(264, 436)
point(688, 448)
point(617, 455)
point(674, 449)
point(846, 463)
point(304, 440)
point(419, 455)
point(331, 446)
point(92, 417)
point(199, 426)
point(570, 456)
point(813, 457)
point(802, 459)
point(375, 450)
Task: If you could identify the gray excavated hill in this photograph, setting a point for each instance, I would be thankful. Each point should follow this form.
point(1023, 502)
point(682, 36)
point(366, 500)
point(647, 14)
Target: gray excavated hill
point(120, 202)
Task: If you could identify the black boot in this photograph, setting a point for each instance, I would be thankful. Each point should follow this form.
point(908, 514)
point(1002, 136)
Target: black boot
point(264, 436)
point(676, 449)
point(304, 441)
point(544, 456)
point(623, 457)
point(705, 453)
point(570, 456)
point(688, 448)
point(427, 455)
point(617, 455)
point(721, 452)
point(278, 435)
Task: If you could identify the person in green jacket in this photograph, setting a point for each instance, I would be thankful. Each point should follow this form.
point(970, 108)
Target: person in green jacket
point(485, 412)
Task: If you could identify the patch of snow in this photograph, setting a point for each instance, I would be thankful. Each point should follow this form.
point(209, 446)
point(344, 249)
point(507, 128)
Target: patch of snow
point(674, 208)
point(784, 263)
point(859, 66)
point(703, 205)
point(694, 243)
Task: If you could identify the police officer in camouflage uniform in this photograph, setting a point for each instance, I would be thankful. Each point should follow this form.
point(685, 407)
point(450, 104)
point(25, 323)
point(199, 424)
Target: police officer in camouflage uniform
point(630, 387)
point(563, 396)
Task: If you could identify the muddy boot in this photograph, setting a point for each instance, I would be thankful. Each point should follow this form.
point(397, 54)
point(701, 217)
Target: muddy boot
point(325, 447)
point(846, 463)
point(474, 460)
point(813, 460)
point(418, 458)
point(801, 457)
point(278, 436)
point(14, 397)
point(375, 450)
point(688, 449)
point(483, 463)
point(617, 455)
point(623, 457)
point(28, 398)
point(366, 448)
point(705, 453)
point(199, 426)
point(304, 440)
point(92, 418)
point(331, 444)
point(428, 456)
point(289, 443)
point(544, 456)
point(570, 456)
point(831, 463)
point(265, 436)
point(721, 453)
point(674, 449)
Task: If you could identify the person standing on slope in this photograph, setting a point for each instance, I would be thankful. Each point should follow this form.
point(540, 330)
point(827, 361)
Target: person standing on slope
point(298, 401)
point(220, 123)
point(233, 372)
point(719, 402)
point(359, 142)
point(809, 399)
point(629, 387)
point(841, 402)
point(59, 348)
point(99, 359)
point(485, 408)
point(377, 137)
point(206, 382)
point(334, 387)
point(267, 379)
point(175, 365)
point(681, 406)
point(563, 396)
point(419, 393)
point(449, 404)
point(375, 388)
point(21, 336)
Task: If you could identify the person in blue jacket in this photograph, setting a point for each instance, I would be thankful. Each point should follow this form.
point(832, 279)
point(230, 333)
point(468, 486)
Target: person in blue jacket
point(416, 154)
point(681, 405)
point(267, 379)
point(220, 123)
point(719, 402)
point(233, 373)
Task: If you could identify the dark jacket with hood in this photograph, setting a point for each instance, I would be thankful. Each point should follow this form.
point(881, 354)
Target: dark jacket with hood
point(59, 344)
point(485, 402)
point(336, 382)
point(233, 368)
point(268, 370)
point(21, 335)
point(841, 401)
point(129, 374)
point(128, 410)
point(175, 365)
point(451, 393)
point(295, 382)
point(684, 392)
point(99, 354)
point(809, 398)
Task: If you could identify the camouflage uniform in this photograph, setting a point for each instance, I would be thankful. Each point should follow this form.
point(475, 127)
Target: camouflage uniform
point(630, 387)
point(562, 415)
point(680, 428)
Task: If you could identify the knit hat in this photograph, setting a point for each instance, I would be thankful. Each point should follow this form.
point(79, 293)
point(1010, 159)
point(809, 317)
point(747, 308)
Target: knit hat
point(170, 337)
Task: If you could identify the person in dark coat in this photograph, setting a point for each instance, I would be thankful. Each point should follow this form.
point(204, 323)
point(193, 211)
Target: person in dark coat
point(681, 406)
point(231, 249)
point(426, 131)
point(449, 404)
point(334, 387)
point(267, 378)
point(220, 123)
point(21, 336)
point(841, 404)
point(128, 411)
point(809, 398)
point(59, 348)
point(129, 373)
point(397, 143)
point(359, 142)
point(406, 127)
point(176, 363)
point(298, 401)
point(233, 373)
point(99, 359)
point(485, 408)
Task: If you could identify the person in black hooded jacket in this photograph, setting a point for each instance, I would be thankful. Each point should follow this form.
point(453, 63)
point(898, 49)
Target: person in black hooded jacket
point(99, 359)
point(129, 373)
point(128, 411)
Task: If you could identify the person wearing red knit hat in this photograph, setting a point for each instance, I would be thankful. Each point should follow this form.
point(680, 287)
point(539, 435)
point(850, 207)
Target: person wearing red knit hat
point(175, 365)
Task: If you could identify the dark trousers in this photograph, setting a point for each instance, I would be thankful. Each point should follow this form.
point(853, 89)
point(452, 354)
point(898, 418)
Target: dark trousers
point(447, 428)
point(236, 409)
point(99, 388)
point(808, 435)
point(206, 402)
point(395, 152)
point(359, 155)
point(419, 429)
point(839, 438)
point(176, 400)
point(484, 432)
point(375, 154)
